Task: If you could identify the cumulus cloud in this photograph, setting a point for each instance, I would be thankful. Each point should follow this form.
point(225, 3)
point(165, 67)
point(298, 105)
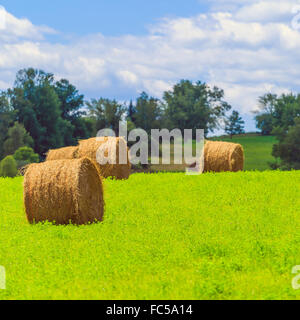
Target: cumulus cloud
point(12, 28)
point(246, 47)
point(270, 11)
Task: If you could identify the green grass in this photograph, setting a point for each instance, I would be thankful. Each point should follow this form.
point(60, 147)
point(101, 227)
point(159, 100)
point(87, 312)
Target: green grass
point(165, 236)
point(257, 149)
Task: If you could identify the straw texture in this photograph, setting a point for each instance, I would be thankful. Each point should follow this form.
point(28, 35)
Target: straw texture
point(63, 192)
point(91, 148)
point(67, 153)
point(223, 156)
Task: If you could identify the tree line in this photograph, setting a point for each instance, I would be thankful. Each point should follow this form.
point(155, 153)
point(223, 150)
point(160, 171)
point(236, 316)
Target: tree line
point(280, 116)
point(42, 113)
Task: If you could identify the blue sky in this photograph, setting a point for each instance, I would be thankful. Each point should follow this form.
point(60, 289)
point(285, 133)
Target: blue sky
point(117, 49)
point(111, 18)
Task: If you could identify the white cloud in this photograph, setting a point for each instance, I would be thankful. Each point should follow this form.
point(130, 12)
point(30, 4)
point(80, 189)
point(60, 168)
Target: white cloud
point(270, 11)
point(247, 48)
point(12, 28)
point(128, 77)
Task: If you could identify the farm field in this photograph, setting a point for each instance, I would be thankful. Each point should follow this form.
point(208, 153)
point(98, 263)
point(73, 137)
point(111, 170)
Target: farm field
point(165, 236)
point(257, 148)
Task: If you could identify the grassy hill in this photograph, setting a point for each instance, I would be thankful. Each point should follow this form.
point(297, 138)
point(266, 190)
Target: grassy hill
point(165, 236)
point(257, 149)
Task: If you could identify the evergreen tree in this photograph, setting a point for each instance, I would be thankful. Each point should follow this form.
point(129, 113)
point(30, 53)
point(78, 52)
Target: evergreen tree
point(234, 124)
point(131, 112)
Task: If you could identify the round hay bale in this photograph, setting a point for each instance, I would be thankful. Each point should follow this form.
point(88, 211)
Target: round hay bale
point(64, 192)
point(223, 156)
point(67, 153)
point(111, 150)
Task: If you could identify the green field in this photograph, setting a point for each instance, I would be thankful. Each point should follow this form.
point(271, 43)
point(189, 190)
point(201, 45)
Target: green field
point(165, 236)
point(257, 149)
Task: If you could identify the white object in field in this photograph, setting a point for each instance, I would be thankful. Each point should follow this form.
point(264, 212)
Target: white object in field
point(2, 278)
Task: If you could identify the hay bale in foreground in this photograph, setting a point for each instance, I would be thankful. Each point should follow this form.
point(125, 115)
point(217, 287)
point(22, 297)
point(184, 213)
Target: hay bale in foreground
point(112, 146)
point(223, 156)
point(67, 153)
point(64, 191)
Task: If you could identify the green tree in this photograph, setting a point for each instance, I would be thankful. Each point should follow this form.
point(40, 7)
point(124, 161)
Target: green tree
point(17, 137)
point(280, 116)
point(71, 105)
point(234, 124)
point(6, 119)
point(89, 125)
point(37, 107)
point(266, 114)
point(8, 167)
point(264, 122)
point(71, 100)
point(131, 112)
point(26, 155)
point(278, 113)
point(195, 106)
point(148, 113)
point(107, 113)
point(287, 109)
point(287, 150)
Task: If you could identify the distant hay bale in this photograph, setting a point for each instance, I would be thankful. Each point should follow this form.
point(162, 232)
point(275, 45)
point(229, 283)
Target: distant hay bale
point(223, 156)
point(67, 153)
point(111, 150)
point(63, 192)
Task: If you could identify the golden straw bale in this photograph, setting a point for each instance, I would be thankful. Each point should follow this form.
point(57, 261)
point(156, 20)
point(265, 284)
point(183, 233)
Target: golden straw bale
point(63, 192)
point(108, 148)
point(67, 153)
point(223, 156)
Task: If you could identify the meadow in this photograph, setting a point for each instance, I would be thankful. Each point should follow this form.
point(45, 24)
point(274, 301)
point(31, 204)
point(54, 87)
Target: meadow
point(165, 236)
point(257, 148)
